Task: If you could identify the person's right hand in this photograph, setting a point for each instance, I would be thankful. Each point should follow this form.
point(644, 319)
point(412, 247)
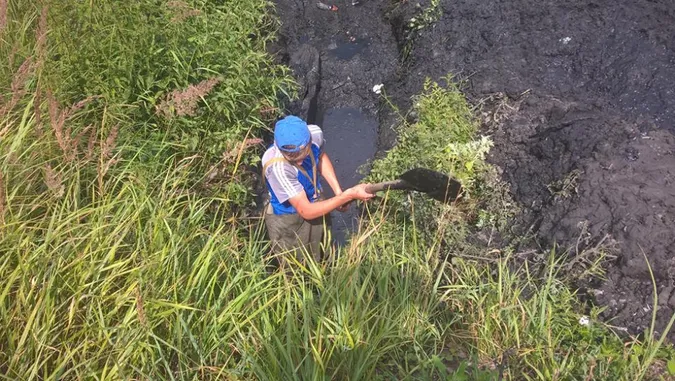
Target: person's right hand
point(358, 192)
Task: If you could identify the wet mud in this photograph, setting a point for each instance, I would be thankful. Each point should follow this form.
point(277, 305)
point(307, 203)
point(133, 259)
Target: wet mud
point(577, 95)
point(351, 138)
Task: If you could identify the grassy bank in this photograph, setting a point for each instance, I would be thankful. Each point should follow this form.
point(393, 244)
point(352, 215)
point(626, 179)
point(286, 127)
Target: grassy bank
point(126, 129)
point(125, 134)
point(514, 314)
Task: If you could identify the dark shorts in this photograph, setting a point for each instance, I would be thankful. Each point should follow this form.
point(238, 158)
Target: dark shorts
point(292, 234)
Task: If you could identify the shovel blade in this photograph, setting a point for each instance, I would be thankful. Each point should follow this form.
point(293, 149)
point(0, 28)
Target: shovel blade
point(435, 184)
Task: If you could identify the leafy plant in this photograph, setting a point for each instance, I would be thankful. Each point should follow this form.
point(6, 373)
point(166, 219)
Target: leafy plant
point(426, 17)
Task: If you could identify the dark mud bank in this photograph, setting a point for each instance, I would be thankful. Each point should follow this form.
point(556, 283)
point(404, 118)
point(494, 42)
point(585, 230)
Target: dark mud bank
point(581, 110)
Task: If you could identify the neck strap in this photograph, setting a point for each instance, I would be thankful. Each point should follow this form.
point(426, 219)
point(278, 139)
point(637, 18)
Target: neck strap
point(299, 167)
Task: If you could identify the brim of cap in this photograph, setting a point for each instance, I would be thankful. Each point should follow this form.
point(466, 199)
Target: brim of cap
point(295, 150)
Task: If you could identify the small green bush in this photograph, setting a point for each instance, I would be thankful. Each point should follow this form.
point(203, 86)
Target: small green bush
point(442, 139)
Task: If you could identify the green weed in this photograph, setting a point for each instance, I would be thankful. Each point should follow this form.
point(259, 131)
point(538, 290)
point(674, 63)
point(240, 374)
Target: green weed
point(425, 18)
point(194, 74)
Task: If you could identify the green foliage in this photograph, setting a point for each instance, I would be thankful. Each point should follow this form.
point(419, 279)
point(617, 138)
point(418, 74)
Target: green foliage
point(425, 18)
point(444, 139)
point(671, 367)
point(112, 268)
point(135, 54)
point(195, 75)
point(465, 371)
point(428, 16)
point(533, 318)
point(362, 318)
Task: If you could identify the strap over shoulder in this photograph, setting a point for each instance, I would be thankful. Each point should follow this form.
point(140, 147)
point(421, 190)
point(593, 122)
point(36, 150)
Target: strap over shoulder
point(275, 160)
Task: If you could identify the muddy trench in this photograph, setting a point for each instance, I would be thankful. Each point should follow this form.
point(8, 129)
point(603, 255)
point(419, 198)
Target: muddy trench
point(580, 98)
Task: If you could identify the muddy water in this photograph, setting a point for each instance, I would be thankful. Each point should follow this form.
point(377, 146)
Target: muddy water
point(351, 139)
point(346, 50)
point(589, 88)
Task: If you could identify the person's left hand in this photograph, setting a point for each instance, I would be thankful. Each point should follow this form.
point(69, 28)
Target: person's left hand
point(344, 207)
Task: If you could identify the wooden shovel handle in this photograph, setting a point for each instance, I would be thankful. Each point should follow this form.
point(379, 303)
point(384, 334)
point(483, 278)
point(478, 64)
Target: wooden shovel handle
point(396, 184)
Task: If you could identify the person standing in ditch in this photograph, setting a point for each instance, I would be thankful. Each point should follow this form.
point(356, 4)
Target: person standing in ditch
point(297, 214)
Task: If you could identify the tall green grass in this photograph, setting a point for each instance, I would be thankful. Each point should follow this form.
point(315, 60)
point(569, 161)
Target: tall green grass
point(118, 260)
point(138, 278)
point(193, 74)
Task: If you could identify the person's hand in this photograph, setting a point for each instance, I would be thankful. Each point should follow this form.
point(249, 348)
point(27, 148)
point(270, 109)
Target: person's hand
point(358, 192)
point(344, 207)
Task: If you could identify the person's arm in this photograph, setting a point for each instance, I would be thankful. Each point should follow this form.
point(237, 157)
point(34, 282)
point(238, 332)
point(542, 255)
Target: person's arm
point(311, 210)
point(328, 172)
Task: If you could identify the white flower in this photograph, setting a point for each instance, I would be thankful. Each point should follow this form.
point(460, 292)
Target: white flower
point(377, 89)
point(585, 321)
point(565, 40)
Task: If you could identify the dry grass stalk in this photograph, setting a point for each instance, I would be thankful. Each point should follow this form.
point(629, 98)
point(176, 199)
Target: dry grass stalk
point(140, 309)
point(229, 156)
point(58, 118)
point(269, 111)
point(12, 54)
point(37, 103)
point(109, 144)
point(233, 153)
point(53, 181)
point(19, 80)
point(2, 200)
point(90, 145)
point(182, 11)
point(18, 86)
point(3, 14)
point(184, 102)
point(76, 142)
point(107, 159)
point(5, 130)
point(41, 35)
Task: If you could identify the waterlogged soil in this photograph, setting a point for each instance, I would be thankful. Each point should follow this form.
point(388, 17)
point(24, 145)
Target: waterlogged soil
point(350, 142)
point(578, 97)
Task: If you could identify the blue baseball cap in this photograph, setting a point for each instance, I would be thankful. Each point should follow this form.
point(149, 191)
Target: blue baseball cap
point(291, 134)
